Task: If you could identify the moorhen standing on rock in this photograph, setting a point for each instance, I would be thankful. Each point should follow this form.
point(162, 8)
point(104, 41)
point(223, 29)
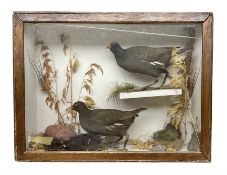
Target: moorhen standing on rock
point(107, 122)
point(142, 59)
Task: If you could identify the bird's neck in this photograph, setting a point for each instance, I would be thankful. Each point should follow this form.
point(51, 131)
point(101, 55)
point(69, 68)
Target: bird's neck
point(119, 54)
point(83, 109)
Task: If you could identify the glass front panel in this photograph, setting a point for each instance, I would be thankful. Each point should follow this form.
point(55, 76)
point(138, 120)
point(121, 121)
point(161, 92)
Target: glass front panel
point(113, 87)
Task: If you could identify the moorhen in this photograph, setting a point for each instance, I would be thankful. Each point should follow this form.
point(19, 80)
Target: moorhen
point(107, 122)
point(142, 59)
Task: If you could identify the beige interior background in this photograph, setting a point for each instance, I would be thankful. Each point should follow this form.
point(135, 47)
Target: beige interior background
point(90, 45)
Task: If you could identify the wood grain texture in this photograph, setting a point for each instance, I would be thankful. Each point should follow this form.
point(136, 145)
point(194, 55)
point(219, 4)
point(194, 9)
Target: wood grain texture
point(112, 17)
point(20, 18)
point(113, 156)
point(206, 89)
point(19, 87)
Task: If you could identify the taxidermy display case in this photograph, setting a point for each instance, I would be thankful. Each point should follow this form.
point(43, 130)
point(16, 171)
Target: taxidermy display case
point(112, 86)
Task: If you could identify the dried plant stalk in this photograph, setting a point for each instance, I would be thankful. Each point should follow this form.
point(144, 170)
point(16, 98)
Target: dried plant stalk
point(181, 62)
point(71, 69)
point(88, 77)
point(64, 40)
point(46, 75)
point(48, 78)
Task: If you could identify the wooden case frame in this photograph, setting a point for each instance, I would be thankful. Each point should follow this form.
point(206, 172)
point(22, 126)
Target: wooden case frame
point(20, 18)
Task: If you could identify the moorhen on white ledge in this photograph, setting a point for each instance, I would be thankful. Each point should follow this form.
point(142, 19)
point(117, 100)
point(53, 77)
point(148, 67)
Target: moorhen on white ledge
point(142, 59)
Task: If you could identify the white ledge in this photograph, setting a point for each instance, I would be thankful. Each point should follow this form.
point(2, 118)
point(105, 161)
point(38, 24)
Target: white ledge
point(151, 93)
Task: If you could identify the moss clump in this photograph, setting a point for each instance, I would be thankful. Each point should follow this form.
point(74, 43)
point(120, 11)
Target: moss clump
point(170, 133)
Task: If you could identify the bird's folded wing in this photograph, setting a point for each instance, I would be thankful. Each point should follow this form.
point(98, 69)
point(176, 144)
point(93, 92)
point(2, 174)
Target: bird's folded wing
point(111, 116)
point(159, 55)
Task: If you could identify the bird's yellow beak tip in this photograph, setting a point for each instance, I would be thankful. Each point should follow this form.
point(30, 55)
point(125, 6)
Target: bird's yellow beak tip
point(69, 108)
point(108, 47)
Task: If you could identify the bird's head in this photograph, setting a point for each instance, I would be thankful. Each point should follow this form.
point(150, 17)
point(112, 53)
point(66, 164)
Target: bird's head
point(114, 47)
point(78, 106)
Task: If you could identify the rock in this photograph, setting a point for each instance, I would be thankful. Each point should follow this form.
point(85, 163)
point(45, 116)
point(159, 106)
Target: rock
point(193, 144)
point(145, 138)
point(171, 150)
point(158, 148)
point(60, 132)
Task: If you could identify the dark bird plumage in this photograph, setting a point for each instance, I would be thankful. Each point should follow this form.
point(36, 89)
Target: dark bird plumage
point(90, 142)
point(142, 59)
point(110, 122)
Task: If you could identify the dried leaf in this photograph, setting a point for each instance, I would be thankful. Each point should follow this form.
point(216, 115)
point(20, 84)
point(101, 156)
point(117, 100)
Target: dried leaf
point(75, 66)
point(89, 81)
point(46, 61)
point(45, 55)
point(90, 76)
point(47, 100)
point(91, 71)
point(56, 107)
point(87, 88)
point(65, 47)
point(89, 102)
point(44, 48)
point(63, 38)
point(51, 105)
point(46, 86)
point(70, 63)
point(97, 66)
point(64, 93)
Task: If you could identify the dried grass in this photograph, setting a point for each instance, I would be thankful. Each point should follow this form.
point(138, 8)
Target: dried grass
point(117, 89)
point(45, 71)
point(88, 77)
point(70, 70)
point(180, 62)
point(138, 144)
point(89, 102)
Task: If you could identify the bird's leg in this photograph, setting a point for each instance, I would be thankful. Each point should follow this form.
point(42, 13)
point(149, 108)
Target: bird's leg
point(149, 85)
point(166, 75)
point(113, 145)
point(126, 141)
point(120, 138)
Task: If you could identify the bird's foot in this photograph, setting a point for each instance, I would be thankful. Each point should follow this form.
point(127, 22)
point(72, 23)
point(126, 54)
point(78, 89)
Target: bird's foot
point(149, 86)
point(115, 146)
point(126, 141)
